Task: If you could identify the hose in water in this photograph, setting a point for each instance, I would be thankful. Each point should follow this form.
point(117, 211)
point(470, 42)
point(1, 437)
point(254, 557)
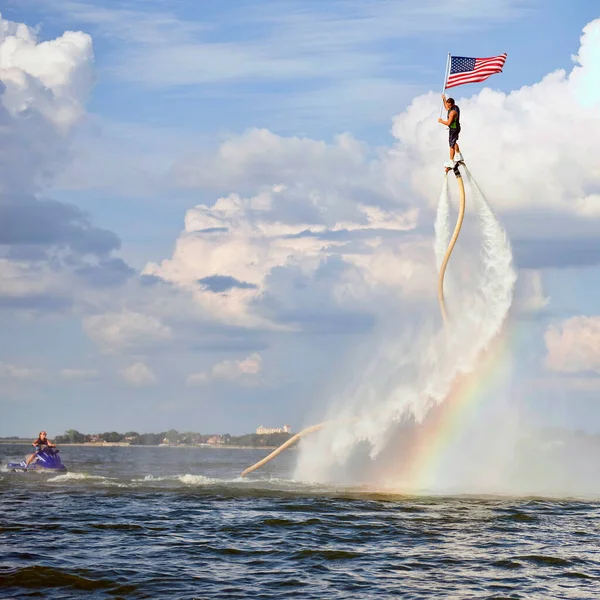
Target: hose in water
point(283, 446)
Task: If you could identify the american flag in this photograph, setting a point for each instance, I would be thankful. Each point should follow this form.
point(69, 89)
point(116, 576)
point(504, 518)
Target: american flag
point(471, 70)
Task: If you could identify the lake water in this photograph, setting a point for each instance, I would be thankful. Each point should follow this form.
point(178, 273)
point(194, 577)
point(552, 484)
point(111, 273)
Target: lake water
point(145, 522)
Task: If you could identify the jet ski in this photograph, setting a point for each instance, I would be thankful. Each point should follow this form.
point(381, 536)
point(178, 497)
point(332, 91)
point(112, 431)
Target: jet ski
point(47, 459)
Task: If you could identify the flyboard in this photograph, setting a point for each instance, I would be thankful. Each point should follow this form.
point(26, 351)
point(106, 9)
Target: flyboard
point(442, 273)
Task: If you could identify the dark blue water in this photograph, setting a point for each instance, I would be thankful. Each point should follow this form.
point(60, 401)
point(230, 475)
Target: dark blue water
point(179, 523)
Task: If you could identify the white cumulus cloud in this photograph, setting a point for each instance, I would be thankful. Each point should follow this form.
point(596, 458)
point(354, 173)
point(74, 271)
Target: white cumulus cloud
point(50, 249)
point(301, 204)
point(138, 375)
point(243, 371)
point(127, 328)
point(314, 201)
point(534, 148)
point(574, 345)
point(46, 85)
point(529, 293)
point(54, 76)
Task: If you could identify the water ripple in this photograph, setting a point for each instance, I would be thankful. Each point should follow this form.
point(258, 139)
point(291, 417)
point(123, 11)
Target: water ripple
point(198, 531)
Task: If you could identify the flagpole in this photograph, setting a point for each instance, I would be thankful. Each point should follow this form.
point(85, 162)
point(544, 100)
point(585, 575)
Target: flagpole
point(445, 80)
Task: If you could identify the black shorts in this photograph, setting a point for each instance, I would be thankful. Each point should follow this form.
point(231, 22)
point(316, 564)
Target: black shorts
point(453, 136)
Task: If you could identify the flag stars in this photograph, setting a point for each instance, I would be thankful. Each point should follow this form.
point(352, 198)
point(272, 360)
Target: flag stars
point(460, 64)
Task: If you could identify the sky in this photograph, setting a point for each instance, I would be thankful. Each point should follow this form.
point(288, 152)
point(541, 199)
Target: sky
point(207, 207)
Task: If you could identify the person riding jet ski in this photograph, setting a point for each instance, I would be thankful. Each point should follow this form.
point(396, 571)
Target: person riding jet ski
point(39, 444)
point(44, 459)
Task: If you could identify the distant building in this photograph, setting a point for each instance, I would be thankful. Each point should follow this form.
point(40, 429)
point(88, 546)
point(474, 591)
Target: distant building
point(215, 440)
point(260, 430)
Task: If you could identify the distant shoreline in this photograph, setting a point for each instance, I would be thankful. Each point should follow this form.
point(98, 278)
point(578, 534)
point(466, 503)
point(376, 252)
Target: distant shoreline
point(122, 445)
point(200, 446)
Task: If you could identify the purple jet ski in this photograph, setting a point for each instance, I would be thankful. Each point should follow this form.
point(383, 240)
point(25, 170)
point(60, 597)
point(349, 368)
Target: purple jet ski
point(46, 459)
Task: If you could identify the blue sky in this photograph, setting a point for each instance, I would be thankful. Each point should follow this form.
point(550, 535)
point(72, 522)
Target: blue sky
point(265, 64)
point(293, 114)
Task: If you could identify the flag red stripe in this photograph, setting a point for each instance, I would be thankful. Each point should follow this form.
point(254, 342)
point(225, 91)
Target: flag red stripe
point(488, 65)
point(500, 57)
point(473, 76)
point(478, 72)
point(473, 73)
point(479, 61)
point(473, 79)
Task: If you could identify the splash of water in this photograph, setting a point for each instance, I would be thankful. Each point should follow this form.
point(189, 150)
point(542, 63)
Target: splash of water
point(410, 374)
point(494, 295)
point(479, 312)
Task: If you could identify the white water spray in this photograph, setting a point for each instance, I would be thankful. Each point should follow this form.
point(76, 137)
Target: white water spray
point(414, 372)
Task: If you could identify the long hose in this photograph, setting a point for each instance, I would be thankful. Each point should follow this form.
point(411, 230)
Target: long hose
point(283, 446)
point(459, 222)
point(453, 240)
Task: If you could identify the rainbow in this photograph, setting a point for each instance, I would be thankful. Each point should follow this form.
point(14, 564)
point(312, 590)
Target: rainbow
point(447, 421)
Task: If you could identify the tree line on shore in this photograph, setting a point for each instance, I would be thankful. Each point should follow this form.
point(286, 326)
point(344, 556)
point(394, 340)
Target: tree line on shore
point(172, 437)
